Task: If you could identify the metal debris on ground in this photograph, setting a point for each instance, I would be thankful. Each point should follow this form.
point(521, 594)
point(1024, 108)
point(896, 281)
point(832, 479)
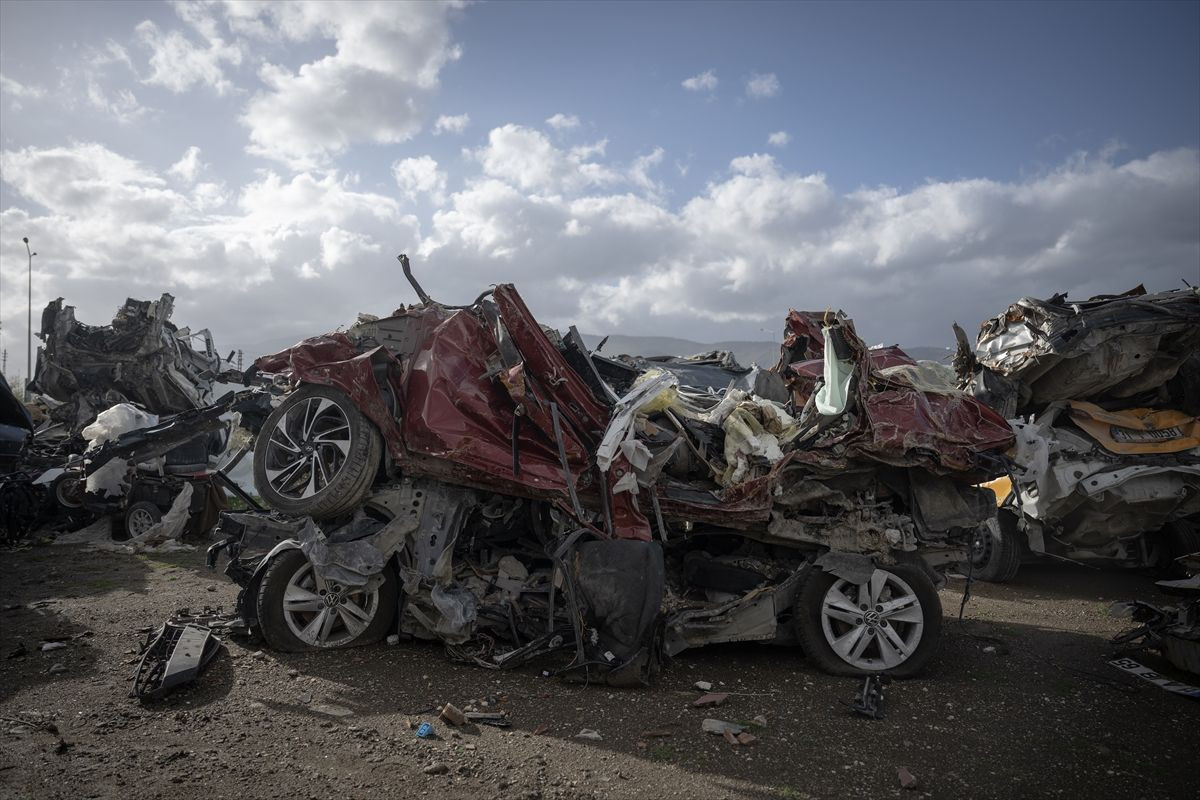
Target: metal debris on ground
point(1174, 631)
point(869, 702)
point(173, 655)
point(720, 727)
point(492, 719)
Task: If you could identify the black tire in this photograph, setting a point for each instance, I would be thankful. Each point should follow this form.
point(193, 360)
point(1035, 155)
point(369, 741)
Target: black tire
point(68, 490)
point(272, 620)
point(807, 618)
point(355, 470)
point(997, 549)
point(137, 516)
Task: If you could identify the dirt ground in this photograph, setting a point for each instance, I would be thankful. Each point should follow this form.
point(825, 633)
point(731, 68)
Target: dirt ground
point(1019, 704)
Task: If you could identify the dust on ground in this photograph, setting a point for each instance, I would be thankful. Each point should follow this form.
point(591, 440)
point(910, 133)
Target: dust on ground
point(1019, 704)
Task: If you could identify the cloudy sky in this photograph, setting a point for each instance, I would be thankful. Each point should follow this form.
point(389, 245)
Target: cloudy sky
point(654, 169)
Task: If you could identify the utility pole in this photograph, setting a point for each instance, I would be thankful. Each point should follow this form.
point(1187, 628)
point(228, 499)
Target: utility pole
point(29, 322)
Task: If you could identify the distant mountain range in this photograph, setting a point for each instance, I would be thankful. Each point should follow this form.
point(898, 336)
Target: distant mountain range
point(765, 354)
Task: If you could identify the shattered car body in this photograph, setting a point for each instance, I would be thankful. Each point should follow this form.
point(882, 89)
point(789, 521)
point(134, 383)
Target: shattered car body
point(97, 382)
point(1086, 494)
point(1106, 466)
point(459, 473)
point(157, 475)
point(1174, 631)
point(141, 357)
point(1123, 349)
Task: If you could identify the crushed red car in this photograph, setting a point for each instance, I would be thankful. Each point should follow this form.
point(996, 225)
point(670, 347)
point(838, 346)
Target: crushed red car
point(462, 473)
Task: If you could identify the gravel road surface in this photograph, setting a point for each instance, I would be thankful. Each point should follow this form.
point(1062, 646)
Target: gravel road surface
point(1019, 703)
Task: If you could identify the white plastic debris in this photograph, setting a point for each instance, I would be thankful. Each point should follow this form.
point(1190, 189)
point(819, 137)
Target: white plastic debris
point(111, 480)
point(164, 535)
point(834, 393)
point(110, 424)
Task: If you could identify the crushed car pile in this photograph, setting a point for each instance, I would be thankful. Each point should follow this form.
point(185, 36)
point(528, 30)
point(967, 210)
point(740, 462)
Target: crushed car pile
point(466, 475)
point(1103, 396)
point(92, 386)
point(461, 473)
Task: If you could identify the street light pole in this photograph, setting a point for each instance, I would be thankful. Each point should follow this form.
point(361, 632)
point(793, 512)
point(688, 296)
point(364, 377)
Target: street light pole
point(29, 322)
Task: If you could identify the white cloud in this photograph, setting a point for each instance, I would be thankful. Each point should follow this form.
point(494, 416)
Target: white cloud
point(389, 53)
point(639, 172)
point(732, 259)
point(563, 122)
point(109, 216)
point(762, 85)
point(586, 152)
point(454, 124)
point(209, 196)
point(704, 82)
point(416, 176)
point(596, 242)
point(178, 63)
point(107, 227)
point(779, 139)
point(89, 179)
point(17, 90)
point(188, 165)
point(111, 53)
point(121, 104)
point(527, 159)
point(340, 246)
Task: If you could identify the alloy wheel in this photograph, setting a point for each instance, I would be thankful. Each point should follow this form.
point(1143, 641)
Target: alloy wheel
point(307, 448)
point(326, 614)
point(875, 625)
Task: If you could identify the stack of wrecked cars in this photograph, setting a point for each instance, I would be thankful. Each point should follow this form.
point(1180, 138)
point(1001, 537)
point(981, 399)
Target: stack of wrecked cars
point(463, 474)
point(1103, 396)
point(102, 393)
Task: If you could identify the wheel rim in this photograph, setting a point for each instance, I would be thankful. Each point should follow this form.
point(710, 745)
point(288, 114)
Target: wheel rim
point(69, 492)
point(140, 520)
point(307, 448)
point(981, 546)
point(326, 614)
point(875, 625)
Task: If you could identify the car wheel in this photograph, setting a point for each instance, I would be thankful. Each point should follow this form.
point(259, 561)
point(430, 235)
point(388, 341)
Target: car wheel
point(68, 490)
point(316, 454)
point(298, 610)
point(996, 549)
point(891, 623)
point(141, 517)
